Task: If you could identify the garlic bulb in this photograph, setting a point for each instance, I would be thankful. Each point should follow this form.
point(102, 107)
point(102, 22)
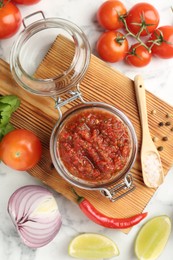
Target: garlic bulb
point(34, 212)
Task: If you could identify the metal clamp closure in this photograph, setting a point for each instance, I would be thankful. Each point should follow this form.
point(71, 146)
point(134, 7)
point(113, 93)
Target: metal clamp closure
point(73, 95)
point(118, 191)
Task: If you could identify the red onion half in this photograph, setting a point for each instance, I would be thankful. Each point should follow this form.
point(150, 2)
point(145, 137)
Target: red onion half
point(34, 212)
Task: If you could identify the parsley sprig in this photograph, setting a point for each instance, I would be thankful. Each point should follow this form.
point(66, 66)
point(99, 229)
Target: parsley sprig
point(8, 104)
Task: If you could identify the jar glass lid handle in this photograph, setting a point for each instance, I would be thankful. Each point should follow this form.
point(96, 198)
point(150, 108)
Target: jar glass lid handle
point(30, 15)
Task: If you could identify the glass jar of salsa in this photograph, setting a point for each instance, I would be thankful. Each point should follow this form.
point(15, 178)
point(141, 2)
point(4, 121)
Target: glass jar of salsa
point(93, 145)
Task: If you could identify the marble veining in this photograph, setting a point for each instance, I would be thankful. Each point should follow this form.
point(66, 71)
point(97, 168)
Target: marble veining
point(158, 77)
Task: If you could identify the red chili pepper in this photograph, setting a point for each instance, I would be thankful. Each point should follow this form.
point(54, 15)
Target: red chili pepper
point(118, 223)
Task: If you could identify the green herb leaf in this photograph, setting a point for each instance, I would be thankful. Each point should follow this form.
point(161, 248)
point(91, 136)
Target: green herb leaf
point(6, 129)
point(11, 100)
point(8, 104)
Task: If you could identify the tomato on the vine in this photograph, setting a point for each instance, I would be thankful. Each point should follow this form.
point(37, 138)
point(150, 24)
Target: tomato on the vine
point(163, 38)
point(144, 17)
point(108, 14)
point(10, 19)
point(138, 55)
point(26, 2)
point(112, 46)
point(20, 149)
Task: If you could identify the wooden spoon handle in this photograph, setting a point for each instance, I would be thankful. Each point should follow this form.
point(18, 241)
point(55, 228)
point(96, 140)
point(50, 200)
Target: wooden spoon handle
point(141, 100)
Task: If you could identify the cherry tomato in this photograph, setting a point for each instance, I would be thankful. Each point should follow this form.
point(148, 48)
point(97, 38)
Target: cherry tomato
point(112, 46)
point(142, 15)
point(10, 19)
point(108, 14)
point(26, 2)
point(138, 56)
point(164, 39)
point(20, 149)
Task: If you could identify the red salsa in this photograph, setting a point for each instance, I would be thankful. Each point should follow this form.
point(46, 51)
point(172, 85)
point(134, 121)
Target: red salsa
point(94, 145)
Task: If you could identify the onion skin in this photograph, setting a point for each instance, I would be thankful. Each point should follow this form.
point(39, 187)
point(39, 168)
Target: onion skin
point(34, 212)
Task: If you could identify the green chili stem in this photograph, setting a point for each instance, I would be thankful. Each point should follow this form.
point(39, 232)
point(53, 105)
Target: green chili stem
point(78, 198)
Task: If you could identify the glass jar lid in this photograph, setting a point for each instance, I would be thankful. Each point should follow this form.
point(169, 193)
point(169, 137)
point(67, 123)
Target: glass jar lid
point(53, 36)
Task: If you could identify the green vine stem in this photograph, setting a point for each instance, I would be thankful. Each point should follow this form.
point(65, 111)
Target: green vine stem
point(2, 3)
point(136, 36)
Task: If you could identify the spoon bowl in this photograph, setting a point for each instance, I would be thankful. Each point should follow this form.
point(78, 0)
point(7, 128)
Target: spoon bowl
point(152, 170)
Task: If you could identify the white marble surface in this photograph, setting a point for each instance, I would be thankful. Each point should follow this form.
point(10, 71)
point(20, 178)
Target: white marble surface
point(158, 78)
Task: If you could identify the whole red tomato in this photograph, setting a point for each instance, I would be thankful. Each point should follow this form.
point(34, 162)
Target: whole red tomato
point(112, 46)
point(138, 56)
point(108, 14)
point(20, 149)
point(10, 19)
point(163, 36)
point(26, 2)
point(142, 15)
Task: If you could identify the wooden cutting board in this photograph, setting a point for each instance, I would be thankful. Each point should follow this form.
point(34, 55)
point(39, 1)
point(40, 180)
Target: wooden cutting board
point(101, 83)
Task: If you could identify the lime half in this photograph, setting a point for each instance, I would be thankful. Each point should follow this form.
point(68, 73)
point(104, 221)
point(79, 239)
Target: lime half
point(152, 238)
point(92, 246)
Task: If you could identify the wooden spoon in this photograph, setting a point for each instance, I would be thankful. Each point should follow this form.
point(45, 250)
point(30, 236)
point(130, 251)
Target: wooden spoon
point(150, 159)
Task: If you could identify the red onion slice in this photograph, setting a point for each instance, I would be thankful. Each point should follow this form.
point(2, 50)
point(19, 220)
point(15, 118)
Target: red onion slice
point(34, 212)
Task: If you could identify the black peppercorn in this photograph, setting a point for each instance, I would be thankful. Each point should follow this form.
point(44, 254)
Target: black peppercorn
point(160, 148)
point(168, 123)
point(161, 124)
point(165, 138)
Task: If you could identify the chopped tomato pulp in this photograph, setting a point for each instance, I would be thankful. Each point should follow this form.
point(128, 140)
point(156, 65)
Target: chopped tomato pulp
point(94, 145)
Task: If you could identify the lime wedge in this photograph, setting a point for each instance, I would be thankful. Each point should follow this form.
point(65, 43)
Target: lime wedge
point(92, 246)
point(152, 238)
